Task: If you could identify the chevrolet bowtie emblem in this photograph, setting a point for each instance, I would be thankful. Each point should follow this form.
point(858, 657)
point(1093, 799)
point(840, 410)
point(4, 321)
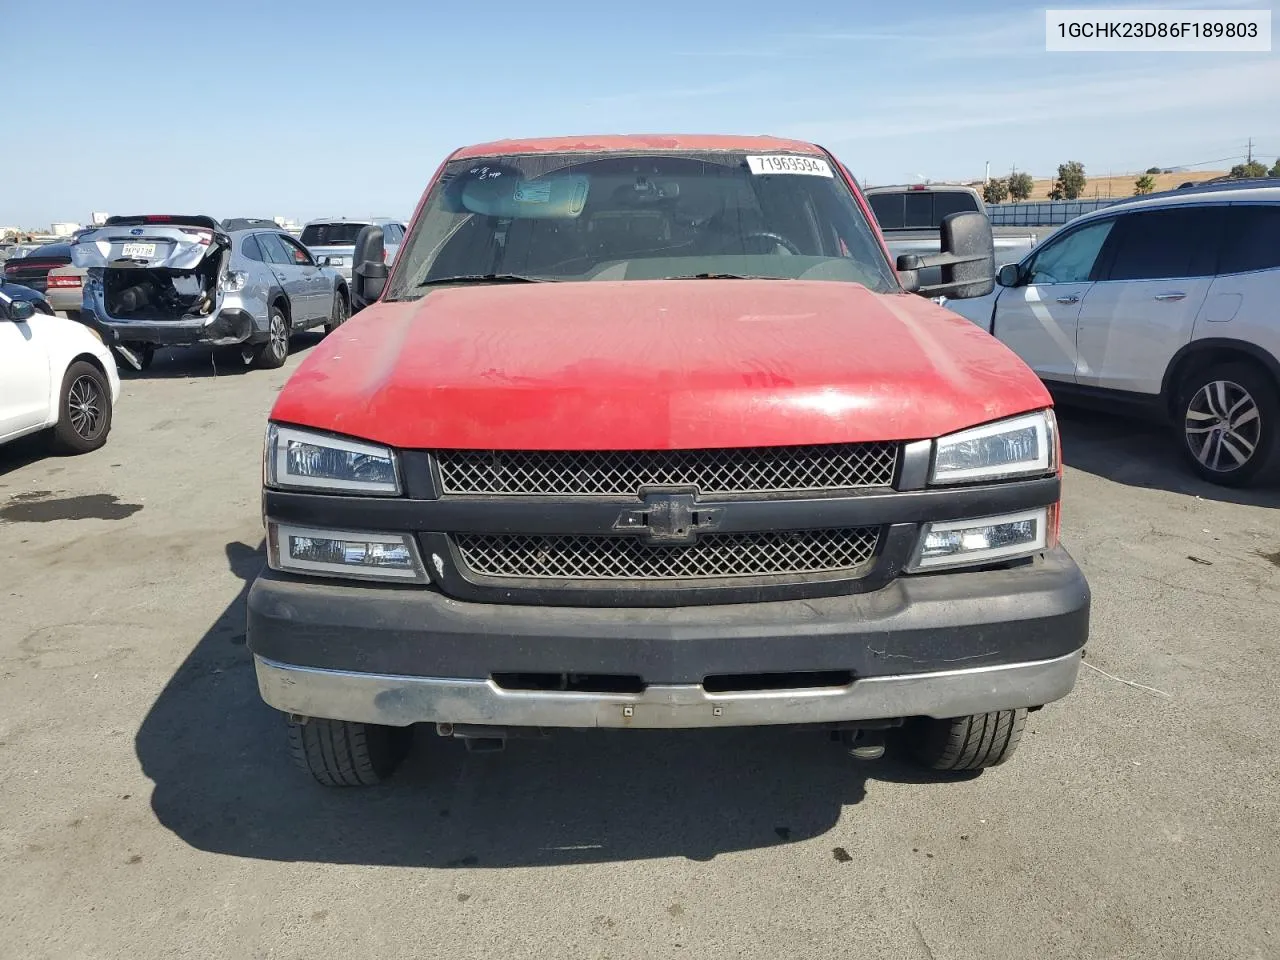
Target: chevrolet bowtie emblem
point(669, 518)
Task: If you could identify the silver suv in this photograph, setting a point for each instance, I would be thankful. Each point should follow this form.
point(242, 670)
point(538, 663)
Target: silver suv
point(155, 281)
point(1163, 305)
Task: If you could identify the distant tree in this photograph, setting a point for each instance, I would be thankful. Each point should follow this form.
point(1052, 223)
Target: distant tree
point(1275, 169)
point(1251, 169)
point(1070, 182)
point(1154, 170)
point(1144, 184)
point(1020, 186)
point(995, 191)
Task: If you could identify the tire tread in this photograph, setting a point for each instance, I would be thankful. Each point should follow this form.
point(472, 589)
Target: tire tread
point(970, 743)
point(341, 753)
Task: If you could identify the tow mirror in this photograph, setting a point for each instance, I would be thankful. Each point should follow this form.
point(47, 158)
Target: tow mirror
point(1010, 275)
point(21, 311)
point(369, 268)
point(967, 260)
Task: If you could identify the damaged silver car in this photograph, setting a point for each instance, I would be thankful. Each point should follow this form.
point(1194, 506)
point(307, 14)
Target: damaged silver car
point(170, 281)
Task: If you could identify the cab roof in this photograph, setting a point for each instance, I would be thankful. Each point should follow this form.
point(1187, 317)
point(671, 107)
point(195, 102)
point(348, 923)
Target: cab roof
point(623, 143)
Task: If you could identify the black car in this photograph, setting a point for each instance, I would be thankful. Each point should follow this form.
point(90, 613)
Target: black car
point(15, 291)
point(33, 269)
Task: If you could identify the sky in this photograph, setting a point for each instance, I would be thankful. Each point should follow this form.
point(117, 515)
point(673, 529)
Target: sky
point(283, 108)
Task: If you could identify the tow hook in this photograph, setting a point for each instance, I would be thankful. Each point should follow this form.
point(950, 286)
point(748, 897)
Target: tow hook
point(129, 356)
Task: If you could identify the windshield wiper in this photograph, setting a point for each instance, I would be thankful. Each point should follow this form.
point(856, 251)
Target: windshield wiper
point(724, 276)
point(486, 278)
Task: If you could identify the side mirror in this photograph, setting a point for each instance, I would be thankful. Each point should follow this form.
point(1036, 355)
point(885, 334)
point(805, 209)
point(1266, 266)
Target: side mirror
point(369, 269)
point(21, 311)
point(1010, 275)
point(967, 261)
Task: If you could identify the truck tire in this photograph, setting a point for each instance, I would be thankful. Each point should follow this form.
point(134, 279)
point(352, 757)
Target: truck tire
point(1225, 412)
point(340, 753)
point(968, 743)
point(84, 410)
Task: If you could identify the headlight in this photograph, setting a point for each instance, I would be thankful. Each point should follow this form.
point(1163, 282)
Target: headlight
point(344, 553)
point(1019, 447)
point(302, 460)
point(970, 542)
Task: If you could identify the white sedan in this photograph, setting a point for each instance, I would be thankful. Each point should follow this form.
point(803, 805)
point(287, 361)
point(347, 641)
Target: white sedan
point(55, 374)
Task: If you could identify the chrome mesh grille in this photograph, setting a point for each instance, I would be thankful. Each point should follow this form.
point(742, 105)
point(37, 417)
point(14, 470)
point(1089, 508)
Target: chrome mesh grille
point(806, 469)
point(772, 553)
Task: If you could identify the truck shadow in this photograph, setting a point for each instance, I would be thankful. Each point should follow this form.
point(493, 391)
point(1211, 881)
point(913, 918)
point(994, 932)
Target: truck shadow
point(224, 783)
point(1138, 453)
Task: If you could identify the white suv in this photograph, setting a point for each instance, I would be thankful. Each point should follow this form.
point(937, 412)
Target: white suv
point(54, 373)
point(1168, 305)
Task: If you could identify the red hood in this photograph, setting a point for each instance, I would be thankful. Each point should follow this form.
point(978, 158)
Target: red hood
point(651, 365)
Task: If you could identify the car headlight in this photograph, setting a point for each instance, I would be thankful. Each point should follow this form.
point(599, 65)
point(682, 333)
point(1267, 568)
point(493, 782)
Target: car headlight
point(304, 460)
point(985, 540)
point(354, 554)
point(1021, 446)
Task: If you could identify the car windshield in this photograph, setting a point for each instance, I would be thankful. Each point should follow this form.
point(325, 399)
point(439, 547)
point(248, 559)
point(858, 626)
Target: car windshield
point(331, 234)
point(640, 216)
point(920, 209)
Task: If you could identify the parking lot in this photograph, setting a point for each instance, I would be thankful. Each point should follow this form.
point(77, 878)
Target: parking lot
point(148, 807)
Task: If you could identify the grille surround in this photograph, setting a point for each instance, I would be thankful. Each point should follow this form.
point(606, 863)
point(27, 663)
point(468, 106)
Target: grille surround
point(765, 555)
point(735, 471)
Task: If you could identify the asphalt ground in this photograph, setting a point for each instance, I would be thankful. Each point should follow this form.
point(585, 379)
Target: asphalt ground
point(148, 808)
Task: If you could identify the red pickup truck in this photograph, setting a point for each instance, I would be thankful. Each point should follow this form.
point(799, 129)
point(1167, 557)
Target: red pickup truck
point(650, 432)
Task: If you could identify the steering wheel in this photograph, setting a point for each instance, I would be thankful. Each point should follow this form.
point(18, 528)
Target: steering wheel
point(777, 238)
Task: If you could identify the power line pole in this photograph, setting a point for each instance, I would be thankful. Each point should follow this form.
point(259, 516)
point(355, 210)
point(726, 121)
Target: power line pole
point(1249, 158)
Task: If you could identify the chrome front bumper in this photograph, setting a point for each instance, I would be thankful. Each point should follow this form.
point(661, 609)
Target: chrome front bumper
point(400, 700)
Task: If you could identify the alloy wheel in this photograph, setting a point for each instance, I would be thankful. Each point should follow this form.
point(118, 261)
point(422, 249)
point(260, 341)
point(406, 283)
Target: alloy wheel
point(279, 336)
point(1223, 426)
point(84, 406)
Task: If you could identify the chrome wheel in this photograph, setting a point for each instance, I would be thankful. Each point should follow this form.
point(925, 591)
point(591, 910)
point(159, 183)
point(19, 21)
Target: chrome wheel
point(1223, 426)
point(85, 408)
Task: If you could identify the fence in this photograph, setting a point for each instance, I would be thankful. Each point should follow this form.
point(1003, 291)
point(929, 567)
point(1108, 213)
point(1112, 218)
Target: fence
point(1044, 213)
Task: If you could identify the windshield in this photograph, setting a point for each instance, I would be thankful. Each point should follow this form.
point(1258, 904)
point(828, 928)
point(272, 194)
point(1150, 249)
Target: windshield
point(919, 209)
point(331, 234)
point(616, 216)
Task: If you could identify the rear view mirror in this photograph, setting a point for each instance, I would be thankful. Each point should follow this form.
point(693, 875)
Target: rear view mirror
point(560, 197)
point(21, 310)
point(967, 260)
point(369, 268)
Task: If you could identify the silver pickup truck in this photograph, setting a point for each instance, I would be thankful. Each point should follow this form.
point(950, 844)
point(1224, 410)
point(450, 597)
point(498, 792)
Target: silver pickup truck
point(909, 217)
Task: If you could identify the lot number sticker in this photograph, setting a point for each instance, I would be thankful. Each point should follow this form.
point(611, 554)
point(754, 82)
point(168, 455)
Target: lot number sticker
point(782, 163)
point(533, 192)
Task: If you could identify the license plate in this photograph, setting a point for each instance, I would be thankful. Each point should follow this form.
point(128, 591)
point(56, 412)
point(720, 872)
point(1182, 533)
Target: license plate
point(138, 250)
point(337, 261)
